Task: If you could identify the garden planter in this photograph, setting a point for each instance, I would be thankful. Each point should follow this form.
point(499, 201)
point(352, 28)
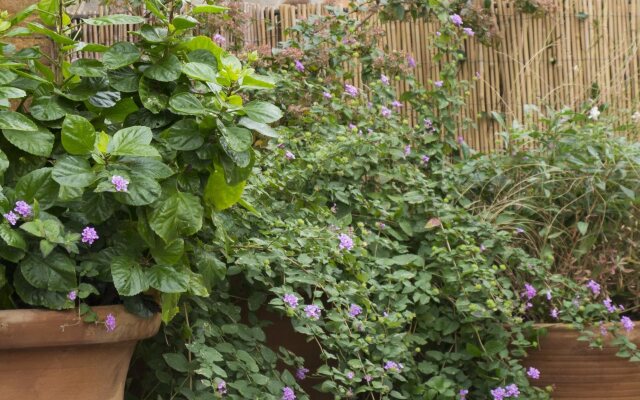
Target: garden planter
point(50, 355)
point(579, 372)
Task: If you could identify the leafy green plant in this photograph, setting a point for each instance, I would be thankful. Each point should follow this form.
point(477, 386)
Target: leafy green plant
point(111, 167)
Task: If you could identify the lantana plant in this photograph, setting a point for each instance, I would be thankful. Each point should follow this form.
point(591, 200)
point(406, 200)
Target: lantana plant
point(111, 166)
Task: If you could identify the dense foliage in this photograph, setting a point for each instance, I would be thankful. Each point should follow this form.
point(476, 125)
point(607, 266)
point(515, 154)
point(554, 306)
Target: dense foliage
point(111, 168)
point(356, 233)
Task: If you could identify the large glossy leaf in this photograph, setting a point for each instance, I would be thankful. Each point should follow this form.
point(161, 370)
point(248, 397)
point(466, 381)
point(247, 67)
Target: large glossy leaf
point(167, 279)
point(12, 237)
point(168, 254)
point(209, 9)
point(179, 214)
point(116, 19)
point(183, 135)
point(39, 297)
point(16, 121)
point(199, 71)
point(128, 277)
point(78, 135)
point(120, 55)
point(124, 79)
point(259, 127)
point(218, 193)
point(73, 171)
point(257, 82)
point(11, 92)
point(48, 108)
point(38, 28)
point(6, 76)
point(202, 43)
point(152, 96)
point(105, 99)
point(184, 22)
point(166, 70)
point(87, 68)
point(38, 143)
point(133, 141)
point(238, 139)
point(261, 111)
point(186, 104)
point(48, 10)
point(96, 207)
point(57, 272)
point(38, 185)
point(153, 34)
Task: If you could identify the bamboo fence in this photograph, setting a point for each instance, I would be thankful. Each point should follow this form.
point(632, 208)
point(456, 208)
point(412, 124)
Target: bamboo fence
point(585, 48)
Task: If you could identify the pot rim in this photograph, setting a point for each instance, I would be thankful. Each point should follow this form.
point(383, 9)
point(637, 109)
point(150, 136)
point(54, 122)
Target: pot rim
point(29, 328)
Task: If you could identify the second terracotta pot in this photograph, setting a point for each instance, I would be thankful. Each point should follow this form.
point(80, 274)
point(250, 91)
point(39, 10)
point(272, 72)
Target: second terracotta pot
point(576, 371)
point(49, 355)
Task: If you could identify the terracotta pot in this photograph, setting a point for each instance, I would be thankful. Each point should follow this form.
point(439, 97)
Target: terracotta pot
point(579, 372)
point(50, 355)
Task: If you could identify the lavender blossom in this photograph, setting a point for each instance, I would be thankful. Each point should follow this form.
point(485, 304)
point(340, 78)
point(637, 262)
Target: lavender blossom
point(350, 90)
point(385, 112)
point(11, 217)
point(291, 300)
point(456, 20)
point(89, 235)
point(110, 323)
point(355, 310)
point(120, 183)
point(23, 208)
point(219, 39)
point(627, 323)
point(384, 79)
point(346, 243)
point(594, 287)
point(301, 373)
point(288, 394)
point(533, 373)
point(299, 66)
point(312, 311)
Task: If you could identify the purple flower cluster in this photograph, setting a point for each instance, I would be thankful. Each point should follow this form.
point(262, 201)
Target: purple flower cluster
point(110, 323)
point(89, 235)
point(594, 287)
point(393, 366)
point(219, 39)
point(468, 31)
point(438, 84)
point(501, 393)
point(288, 394)
point(396, 104)
point(346, 243)
point(554, 313)
point(299, 66)
point(609, 305)
point(384, 79)
point(350, 90)
point(327, 95)
point(411, 62)
point(627, 323)
point(463, 394)
point(289, 155)
point(22, 208)
point(425, 159)
point(73, 295)
point(355, 310)
point(291, 300)
point(407, 150)
point(301, 373)
point(222, 387)
point(312, 311)
point(385, 112)
point(456, 20)
point(529, 291)
point(350, 375)
point(533, 373)
point(120, 183)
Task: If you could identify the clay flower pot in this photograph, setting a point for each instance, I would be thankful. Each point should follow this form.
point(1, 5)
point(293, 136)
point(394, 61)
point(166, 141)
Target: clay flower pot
point(579, 372)
point(51, 355)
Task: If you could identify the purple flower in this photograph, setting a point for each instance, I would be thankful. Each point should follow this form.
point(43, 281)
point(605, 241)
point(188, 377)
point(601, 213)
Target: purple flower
point(368, 378)
point(110, 323)
point(23, 208)
point(352, 126)
point(312, 311)
point(350, 375)
point(73, 295)
point(411, 61)
point(425, 159)
point(468, 31)
point(519, 230)
point(355, 310)
point(384, 79)
point(438, 83)
point(392, 366)
point(219, 39)
point(463, 394)
point(301, 373)
point(346, 243)
point(385, 112)
point(381, 225)
point(291, 300)
point(528, 306)
point(350, 90)
point(594, 287)
point(327, 95)
point(512, 390)
point(407, 150)
point(529, 291)
point(120, 183)
point(289, 155)
point(627, 323)
point(478, 74)
point(548, 295)
point(288, 394)
point(609, 306)
point(428, 123)
point(603, 329)
point(11, 217)
point(222, 387)
point(89, 235)
point(533, 373)
point(299, 66)
point(396, 104)
point(438, 33)
point(456, 20)
point(460, 139)
point(498, 393)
